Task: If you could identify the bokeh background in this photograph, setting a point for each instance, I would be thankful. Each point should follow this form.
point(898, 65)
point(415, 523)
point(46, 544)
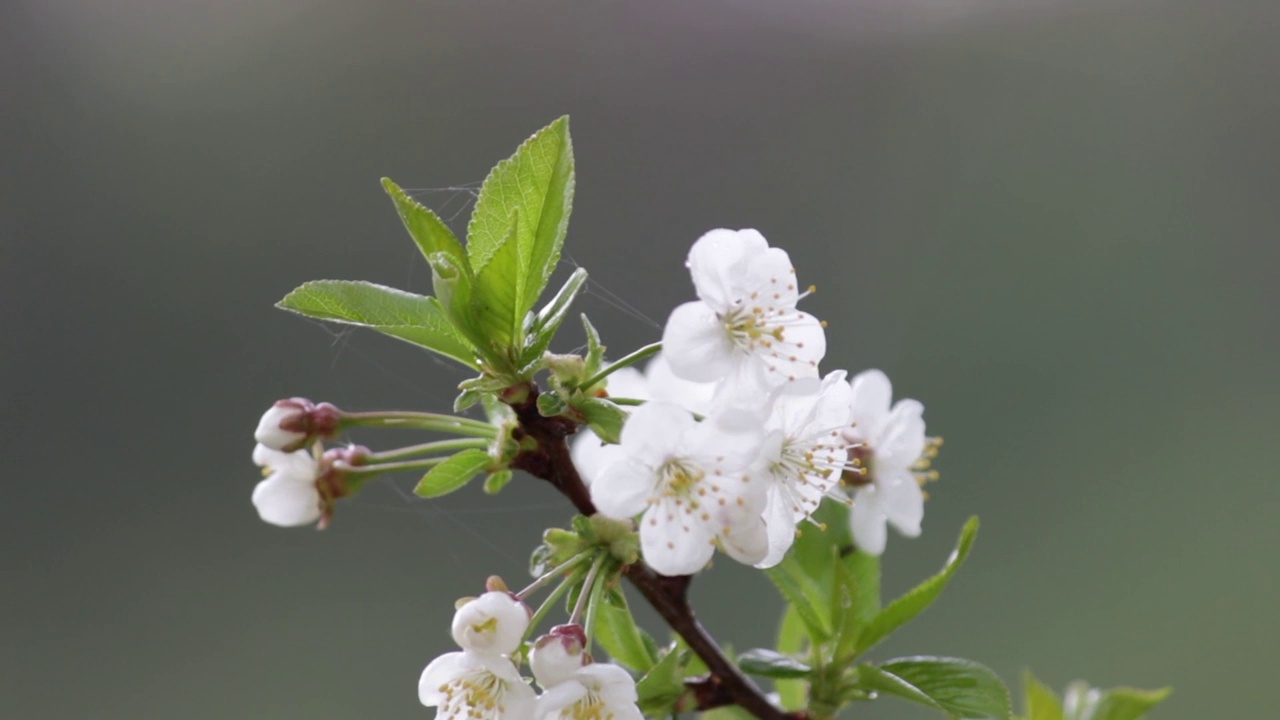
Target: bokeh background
point(1054, 222)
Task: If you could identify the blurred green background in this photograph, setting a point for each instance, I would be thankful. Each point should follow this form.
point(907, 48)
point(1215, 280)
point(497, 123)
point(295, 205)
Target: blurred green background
point(1053, 222)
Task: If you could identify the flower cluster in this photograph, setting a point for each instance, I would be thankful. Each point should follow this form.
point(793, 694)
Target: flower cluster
point(741, 438)
point(482, 681)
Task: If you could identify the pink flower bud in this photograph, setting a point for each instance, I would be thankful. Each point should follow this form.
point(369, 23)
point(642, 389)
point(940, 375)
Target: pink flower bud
point(558, 655)
point(293, 423)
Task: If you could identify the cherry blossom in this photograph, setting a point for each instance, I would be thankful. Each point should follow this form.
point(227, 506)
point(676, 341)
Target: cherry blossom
point(745, 323)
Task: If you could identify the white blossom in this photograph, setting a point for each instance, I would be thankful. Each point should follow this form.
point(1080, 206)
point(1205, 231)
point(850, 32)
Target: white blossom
point(282, 426)
point(599, 691)
point(745, 323)
point(807, 451)
point(892, 442)
point(696, 483)
point(493, 623)
point(468, 685)
point(288, 496)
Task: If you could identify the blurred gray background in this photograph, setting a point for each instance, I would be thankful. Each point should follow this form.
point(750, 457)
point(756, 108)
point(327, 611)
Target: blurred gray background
point(1053, 222)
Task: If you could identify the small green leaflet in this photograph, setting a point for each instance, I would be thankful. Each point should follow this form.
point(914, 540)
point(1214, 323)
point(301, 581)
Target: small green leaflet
point(617, 633)
point(1041, 702)
point(1081, 702)
point(961, 688)
point(453, 473)
point(537, 181)
point(772, 664)
point(413, 318)
point(902, 610)
point(425, 227)
point(494, 300)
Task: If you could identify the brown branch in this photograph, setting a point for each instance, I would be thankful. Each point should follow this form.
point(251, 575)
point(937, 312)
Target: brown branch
point(726, 684)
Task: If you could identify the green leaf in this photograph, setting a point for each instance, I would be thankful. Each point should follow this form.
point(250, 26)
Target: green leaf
point(452, 473)
point(1129, 703)
point(425, 227)
point(551, 316)
point(1080, 702)
point(413, 318)
point(961, 688)
point(772, 664)
point(1041, 702)
point(904, 609)
point(595, 350)
point(497, 481)
point(661, 688)
point(802, 593)
point(857, 580)
point(617, 633)
point(494, 299)
point(604, 418)
point(537, 181)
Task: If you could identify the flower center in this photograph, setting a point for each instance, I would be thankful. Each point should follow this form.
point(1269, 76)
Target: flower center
point(861, 466)
point(474, 695)
point(748, 328)
point(591, 707)
point(678, 479)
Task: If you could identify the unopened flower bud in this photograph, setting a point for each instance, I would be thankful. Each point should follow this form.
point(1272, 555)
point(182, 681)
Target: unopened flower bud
point(301, 488)
point(289, 496)
point(293, 423)
point(493, 623)
point(558, 655)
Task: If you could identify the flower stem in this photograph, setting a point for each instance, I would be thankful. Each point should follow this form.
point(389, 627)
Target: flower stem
point(627, 361)
point(367, 471)
point(593, 607)
point(588, 587)
point(558, 570)
point(626, 401)
point(552, 598)
point(421, 421)
point(424, 448)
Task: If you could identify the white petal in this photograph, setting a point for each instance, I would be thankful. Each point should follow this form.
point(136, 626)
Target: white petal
point(610, 682)
point(592, 456)
point(672, 544)
point(284, 501)
point(623, 489)
point(559, 697)
point(781, 524)
point(442, 671)
point(903, 503)
point(902, 438)
point(834, 407)
point(746, 541)
point(270, 433)
point(872, 393)
point(298, 465)
point(520, 702)
point(697, 345)
point(627, 382)
point(803, 345)
point(867, 521)
point(655, 431)
point(665, 385)
point(772, 277)
point(268, 457)
point(718, 264)
point(555, 659)
point(492, 623)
